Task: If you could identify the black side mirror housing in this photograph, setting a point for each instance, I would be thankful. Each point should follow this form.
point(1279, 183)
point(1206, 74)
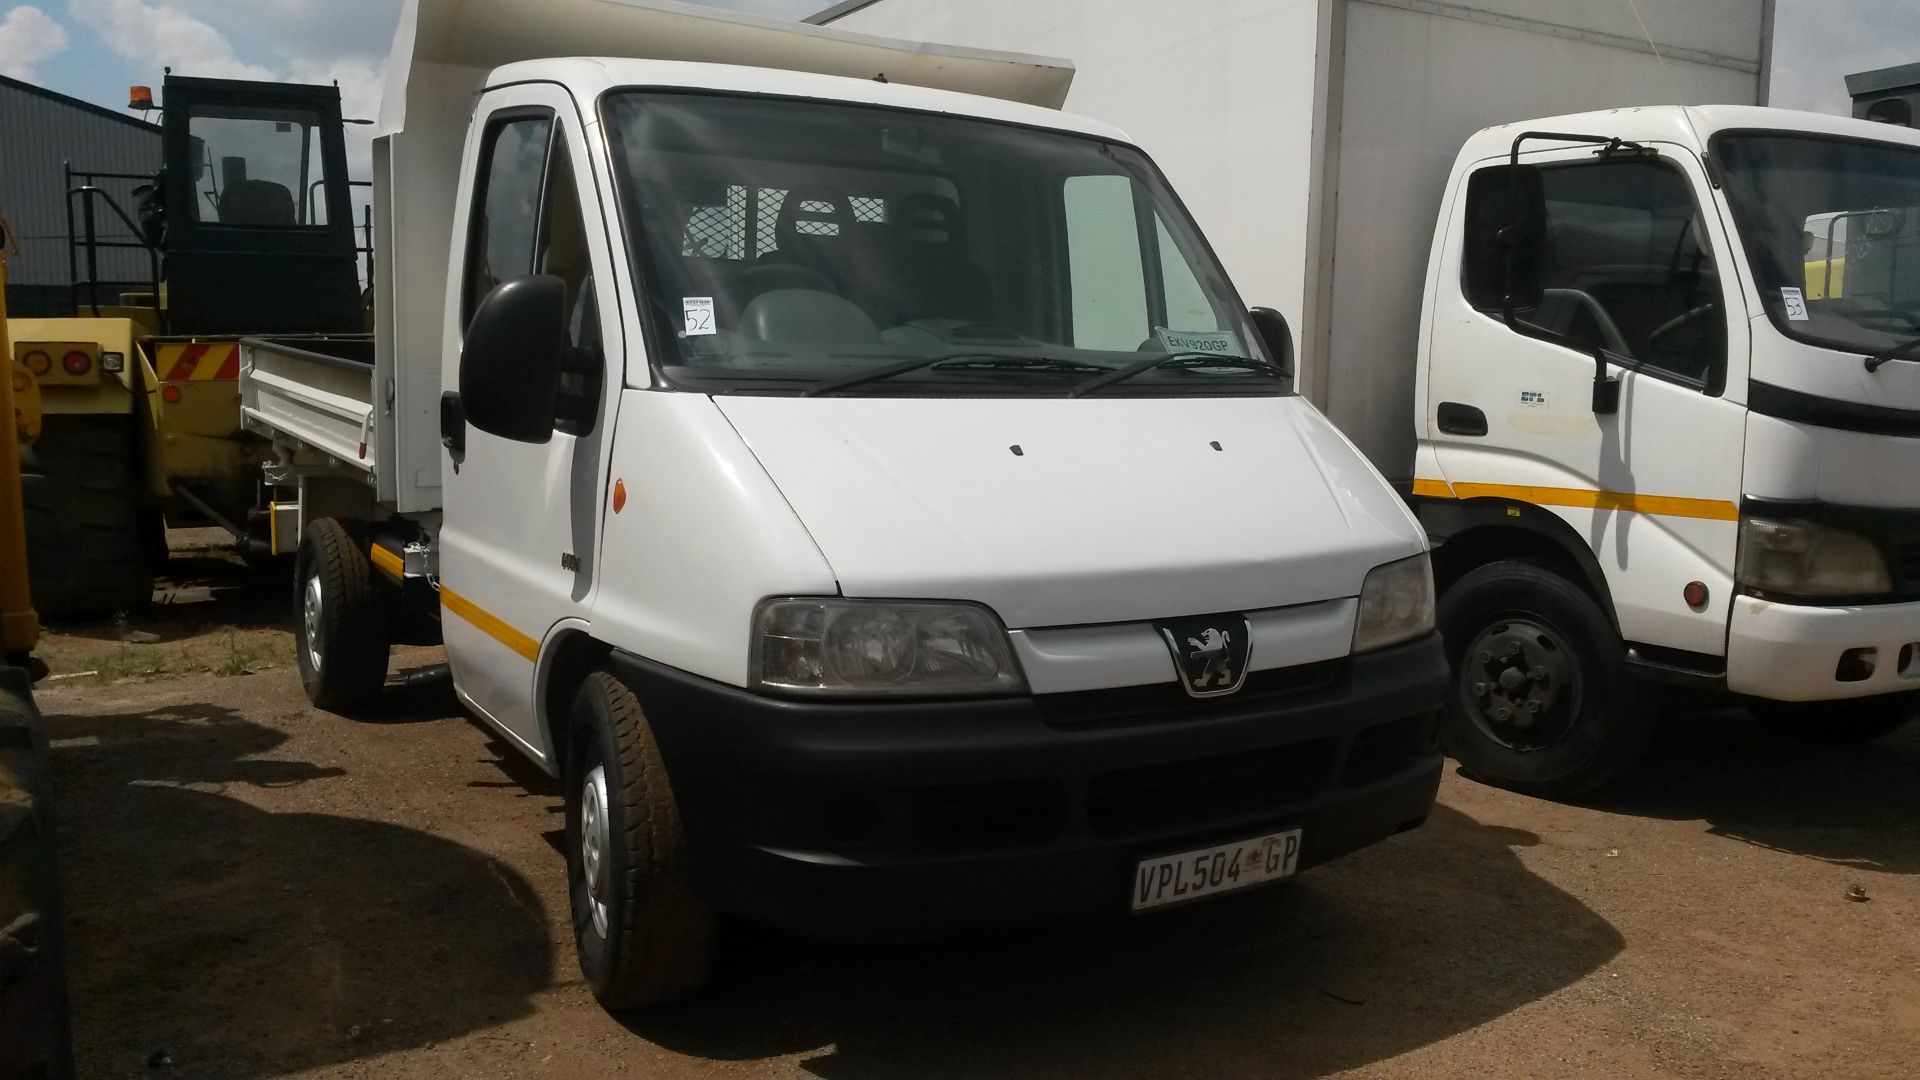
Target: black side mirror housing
point(1505, 245)
point(1276, 335)
point(510, 363)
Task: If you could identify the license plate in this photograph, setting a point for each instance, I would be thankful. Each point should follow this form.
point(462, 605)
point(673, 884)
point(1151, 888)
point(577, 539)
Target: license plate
point(1190, 875)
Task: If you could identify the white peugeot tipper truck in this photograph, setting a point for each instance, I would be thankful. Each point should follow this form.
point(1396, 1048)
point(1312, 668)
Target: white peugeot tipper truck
point(870, 499)
point(1730, 507)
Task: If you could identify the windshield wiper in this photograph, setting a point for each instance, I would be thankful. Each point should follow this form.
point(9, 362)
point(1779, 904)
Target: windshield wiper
point(1176, 359)
point(1904, 351)
point(970, 361)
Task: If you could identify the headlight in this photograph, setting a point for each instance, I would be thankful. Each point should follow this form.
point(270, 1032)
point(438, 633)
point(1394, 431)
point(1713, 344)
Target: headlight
point(1801, 558)
point(1396, 604)
point(882, 647)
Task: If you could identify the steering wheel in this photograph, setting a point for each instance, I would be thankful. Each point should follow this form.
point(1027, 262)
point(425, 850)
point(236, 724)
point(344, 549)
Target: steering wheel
point(1681, 321)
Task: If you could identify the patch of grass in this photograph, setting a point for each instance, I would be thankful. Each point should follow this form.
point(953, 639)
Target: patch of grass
point(226, 652)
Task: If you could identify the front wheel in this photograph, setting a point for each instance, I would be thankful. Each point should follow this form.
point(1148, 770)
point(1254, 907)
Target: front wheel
point(644, 938)
point(1838, 723)
point(341, 638)
point(1542, 702)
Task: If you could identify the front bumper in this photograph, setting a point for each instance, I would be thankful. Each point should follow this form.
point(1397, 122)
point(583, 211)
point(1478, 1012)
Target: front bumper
point(888, 819)
point(1788, 652)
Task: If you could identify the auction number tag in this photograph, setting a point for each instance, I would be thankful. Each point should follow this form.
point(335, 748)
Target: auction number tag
point(1796, 303)
point(699, 315)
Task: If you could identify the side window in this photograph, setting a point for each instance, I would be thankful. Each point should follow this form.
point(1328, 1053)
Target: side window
point(561, 250)
point(1104, 263)
point(1124, 295)
point(1627, 267)
point(513, 160)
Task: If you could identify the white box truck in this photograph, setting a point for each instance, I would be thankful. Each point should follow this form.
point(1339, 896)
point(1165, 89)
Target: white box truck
point(857, 480)
point(1646, 382)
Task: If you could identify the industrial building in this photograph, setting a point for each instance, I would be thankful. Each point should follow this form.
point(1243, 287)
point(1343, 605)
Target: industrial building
point(45, 132)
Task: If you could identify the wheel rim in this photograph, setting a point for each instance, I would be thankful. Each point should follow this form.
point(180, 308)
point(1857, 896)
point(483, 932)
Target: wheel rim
point(1520, 684)
point(310, 620)
point(595, 850)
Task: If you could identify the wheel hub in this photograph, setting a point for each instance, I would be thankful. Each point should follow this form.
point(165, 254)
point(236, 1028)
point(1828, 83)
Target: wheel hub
point(596, 838)
point(310, 620)
point(1519, 684)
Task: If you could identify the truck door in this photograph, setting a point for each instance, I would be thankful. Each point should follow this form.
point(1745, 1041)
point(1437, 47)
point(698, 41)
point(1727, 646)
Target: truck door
point(1632, 270)
point(519, 538)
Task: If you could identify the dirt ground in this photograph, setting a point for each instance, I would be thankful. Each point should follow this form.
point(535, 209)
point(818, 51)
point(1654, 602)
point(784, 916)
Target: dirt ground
point(260, 889)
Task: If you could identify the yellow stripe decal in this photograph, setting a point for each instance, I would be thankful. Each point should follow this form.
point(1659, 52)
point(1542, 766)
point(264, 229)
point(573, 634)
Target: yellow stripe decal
point(488, 624)
point(388, 561)
point(1586, 499)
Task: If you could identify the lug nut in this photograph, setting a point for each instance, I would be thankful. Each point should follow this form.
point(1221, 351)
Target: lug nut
point(1485, 656)
point(1479, 689)
point(1533, 706)
point(1502, 714)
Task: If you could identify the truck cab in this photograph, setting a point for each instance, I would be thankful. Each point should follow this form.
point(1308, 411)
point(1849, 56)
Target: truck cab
point(1669, 418)
point(870, 499)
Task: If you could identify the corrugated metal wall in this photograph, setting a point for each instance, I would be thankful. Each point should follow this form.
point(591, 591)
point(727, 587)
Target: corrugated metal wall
point(40, 131)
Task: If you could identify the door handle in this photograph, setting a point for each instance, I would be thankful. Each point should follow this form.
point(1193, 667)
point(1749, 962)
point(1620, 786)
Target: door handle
point(1457, 419)
point(453, 425)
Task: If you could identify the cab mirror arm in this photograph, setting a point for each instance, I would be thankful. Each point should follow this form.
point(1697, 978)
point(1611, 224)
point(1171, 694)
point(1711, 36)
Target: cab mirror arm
point(1606, 388)
point(1277, 337)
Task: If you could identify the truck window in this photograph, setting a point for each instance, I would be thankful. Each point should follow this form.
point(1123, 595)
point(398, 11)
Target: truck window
point(513, 160)
point(786, 244)
point(1115, 305)
point(1627, 268)
point(257, 167)
point(562, 252)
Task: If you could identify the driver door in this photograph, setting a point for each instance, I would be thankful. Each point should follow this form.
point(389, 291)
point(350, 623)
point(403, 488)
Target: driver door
point(520, 536)
point(1636, 269)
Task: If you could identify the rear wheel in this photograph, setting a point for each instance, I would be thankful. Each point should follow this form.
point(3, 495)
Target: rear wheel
point(341, 639)
point(1542, 702)
point(1838, 723)
point(85, 551)
point(644, 938)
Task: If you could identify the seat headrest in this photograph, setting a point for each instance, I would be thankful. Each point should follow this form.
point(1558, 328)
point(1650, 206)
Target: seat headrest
point(926, 217)
point(811, 211)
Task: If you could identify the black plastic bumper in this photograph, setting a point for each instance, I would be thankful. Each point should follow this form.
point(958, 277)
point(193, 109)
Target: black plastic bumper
point(899, 818)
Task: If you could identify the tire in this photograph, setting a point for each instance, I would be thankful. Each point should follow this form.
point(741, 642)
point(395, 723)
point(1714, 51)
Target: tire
point(644, 937)
point(84, 543)
point(1518, 635)
point(1837, 723)
point(341, 635)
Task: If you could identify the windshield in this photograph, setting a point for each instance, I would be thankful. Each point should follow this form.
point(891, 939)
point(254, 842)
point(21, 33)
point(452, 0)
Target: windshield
point(798, 246)
point(257, 166)
point(1832, 227)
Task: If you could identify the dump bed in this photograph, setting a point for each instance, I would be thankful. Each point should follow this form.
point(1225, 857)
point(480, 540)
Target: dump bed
point(314, 394)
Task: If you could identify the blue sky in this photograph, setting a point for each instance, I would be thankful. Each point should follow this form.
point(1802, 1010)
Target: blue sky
point(95, 49)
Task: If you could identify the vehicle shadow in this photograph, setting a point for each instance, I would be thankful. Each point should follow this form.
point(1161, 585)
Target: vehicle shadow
point(1425, 936)
point(195, 592)
point(1852, 805)
point(242, 942)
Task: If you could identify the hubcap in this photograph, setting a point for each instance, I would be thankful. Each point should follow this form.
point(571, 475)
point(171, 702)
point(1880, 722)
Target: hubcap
point(310, 620)
point(595, 840)
point(1520, 685)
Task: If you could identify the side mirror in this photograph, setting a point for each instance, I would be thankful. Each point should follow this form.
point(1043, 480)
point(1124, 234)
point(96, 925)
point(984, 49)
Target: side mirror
point(510, 364)
point(1505, 245)
point(1275, 334)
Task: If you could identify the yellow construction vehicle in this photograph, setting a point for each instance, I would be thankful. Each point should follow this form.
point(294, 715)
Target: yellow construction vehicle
point(247, 227)
point(33, 993)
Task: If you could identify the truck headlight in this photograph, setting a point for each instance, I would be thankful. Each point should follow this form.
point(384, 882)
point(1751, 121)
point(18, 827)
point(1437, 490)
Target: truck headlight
point(831, 646)
point(1396, 604)
point(1802, 558)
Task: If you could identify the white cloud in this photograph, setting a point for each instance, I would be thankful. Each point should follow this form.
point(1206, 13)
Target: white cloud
point(161, 35)
point(29, 36)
